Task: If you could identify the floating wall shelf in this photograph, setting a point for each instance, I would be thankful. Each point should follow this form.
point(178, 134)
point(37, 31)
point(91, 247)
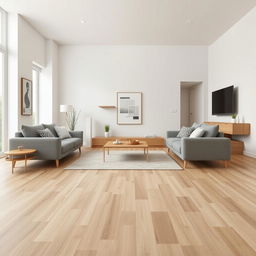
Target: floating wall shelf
point(108, 106)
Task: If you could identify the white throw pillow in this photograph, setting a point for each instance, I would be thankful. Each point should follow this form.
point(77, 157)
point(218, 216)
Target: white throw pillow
point(62, 132)
point(198, 132)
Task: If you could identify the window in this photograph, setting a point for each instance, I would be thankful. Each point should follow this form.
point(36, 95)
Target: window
point(35, 90)
point(3, 78)
point(1, 98)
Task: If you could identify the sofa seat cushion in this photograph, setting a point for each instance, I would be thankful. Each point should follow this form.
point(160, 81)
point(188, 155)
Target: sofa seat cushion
point(174, 143)
point(69, 144)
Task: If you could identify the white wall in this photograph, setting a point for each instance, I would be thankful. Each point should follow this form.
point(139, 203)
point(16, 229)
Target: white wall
point(27, 47)
point(31, 50)
point(232, 61)
point(48, 91)
point(91, 75)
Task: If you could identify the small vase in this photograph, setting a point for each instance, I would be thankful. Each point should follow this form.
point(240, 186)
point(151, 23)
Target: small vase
point(106, 134)
point(233, 120)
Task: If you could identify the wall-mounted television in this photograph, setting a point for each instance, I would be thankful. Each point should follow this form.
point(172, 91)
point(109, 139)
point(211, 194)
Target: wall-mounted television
point(223, 101)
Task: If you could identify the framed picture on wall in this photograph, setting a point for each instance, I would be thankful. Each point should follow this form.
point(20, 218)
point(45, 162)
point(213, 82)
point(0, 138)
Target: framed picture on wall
point(129, 108)
point(26, 97)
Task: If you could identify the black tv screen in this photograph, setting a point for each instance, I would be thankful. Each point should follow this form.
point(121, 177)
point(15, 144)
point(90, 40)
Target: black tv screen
point(223, 101)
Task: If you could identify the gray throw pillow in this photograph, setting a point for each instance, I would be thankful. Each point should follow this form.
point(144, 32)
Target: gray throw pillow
point(62, 132)
point(185, 132)
point(210, 130)
point(51, 128)
point(46, 133)
point(31, 130)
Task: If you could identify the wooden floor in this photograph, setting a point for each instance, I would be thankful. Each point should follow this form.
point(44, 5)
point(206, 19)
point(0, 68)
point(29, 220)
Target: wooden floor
point(205, 210)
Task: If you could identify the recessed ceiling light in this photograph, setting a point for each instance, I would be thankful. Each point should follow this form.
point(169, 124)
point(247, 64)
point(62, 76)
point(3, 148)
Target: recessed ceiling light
point(82, 21)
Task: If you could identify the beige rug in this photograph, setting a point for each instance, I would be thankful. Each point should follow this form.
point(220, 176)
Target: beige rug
point(124, 160)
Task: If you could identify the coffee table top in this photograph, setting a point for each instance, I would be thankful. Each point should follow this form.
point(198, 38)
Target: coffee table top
point(125, 144)
point(17, 152)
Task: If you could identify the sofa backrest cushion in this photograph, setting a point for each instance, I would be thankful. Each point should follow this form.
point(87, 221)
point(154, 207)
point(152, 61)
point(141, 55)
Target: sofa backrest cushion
point(195, 125)
point(62, 132)
point(210, 130)
point(31, 130)
point(51, 128)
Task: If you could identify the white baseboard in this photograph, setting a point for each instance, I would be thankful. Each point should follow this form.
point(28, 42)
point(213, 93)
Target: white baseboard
point(246, 153)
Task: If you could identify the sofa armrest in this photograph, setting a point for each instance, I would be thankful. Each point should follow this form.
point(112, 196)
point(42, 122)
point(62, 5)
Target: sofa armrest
point(47, 148)
point(172, 134)
point(76, 134)
point(210, 148)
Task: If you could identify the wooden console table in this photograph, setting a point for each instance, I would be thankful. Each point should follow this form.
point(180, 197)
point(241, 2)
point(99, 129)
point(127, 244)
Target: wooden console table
point(231, 129)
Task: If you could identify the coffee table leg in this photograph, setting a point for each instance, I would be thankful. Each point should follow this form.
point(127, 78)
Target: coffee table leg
point(103, 154)
point(108, 151)
point(13, 164)
point(147, 154)
point(25, 162)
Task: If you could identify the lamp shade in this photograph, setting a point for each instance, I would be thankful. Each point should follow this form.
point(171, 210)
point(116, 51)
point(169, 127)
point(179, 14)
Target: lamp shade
point(66, 108)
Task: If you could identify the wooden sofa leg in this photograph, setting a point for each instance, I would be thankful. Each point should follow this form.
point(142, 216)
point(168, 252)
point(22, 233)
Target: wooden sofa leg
point(226, 164)
point(184, 164)
point(57, 163)
point(80, 150)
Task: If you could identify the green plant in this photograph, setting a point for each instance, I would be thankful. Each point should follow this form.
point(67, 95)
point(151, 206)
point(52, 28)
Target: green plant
point(72, 118)
point(106, 128)
point(233, 116)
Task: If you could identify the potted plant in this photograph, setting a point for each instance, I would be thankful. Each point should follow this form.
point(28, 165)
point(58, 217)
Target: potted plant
point(234, 115)
point(72, 118)
point(106, 131)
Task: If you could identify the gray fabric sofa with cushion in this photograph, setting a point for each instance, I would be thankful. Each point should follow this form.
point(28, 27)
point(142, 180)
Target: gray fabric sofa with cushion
point(212, 146)
point(48, 148)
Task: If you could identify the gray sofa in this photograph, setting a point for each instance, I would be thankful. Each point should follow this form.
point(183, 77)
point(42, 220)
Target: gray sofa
point(199, 149)
point(50, 148)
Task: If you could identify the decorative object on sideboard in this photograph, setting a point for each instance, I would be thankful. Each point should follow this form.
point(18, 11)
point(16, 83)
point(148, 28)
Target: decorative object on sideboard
point(106, 128)
point(133, 142)
point(71, 116)
point(26, 97)
point(129, 108)
point(233, 117)
point(117, 142)
point(20, 148)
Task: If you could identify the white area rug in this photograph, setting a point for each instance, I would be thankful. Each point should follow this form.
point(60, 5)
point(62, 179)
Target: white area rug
point(124, 160)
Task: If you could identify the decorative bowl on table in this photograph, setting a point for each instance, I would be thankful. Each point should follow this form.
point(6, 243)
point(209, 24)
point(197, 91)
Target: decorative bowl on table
point(134, 142)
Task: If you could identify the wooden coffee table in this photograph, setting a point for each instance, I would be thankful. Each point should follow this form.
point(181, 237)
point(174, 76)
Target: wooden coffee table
point(125, 145)
point(19, 155)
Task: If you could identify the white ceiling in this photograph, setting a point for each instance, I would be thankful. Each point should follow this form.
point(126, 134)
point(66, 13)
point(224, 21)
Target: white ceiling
point(151, 22)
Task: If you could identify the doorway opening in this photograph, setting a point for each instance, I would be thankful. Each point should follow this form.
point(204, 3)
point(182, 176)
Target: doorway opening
point(191, 103)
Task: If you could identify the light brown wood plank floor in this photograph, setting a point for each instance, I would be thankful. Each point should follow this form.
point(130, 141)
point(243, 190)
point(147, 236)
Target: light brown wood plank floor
point(205, 210)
